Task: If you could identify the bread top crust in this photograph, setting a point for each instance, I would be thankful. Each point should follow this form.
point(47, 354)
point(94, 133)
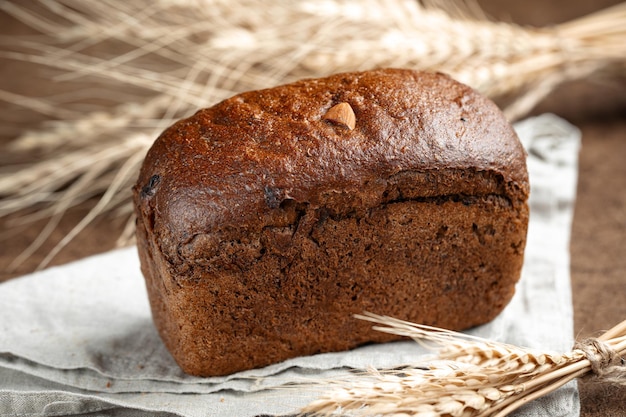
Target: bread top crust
point(230, 167)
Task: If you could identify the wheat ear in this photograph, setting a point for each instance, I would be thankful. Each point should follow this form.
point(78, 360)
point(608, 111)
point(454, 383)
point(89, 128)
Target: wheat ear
point(470, 376)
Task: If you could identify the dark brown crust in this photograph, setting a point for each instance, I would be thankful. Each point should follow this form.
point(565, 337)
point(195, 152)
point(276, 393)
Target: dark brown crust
point(262, 227)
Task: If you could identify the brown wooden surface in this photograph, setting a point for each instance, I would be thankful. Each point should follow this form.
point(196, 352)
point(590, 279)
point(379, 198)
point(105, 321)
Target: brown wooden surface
point(598, 246)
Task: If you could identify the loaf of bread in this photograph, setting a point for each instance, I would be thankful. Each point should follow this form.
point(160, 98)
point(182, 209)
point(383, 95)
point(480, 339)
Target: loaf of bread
point(265, 222)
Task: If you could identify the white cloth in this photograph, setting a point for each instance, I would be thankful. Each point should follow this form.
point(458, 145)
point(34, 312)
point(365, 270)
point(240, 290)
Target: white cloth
point(79, 339)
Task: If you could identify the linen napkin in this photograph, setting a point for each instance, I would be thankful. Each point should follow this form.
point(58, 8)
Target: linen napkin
point(79, 339)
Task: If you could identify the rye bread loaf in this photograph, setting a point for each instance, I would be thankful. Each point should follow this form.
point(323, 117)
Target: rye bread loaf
point(265, 222)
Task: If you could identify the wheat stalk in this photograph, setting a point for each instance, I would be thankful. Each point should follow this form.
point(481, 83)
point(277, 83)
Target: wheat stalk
point(149, 63)
point(470, 376)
